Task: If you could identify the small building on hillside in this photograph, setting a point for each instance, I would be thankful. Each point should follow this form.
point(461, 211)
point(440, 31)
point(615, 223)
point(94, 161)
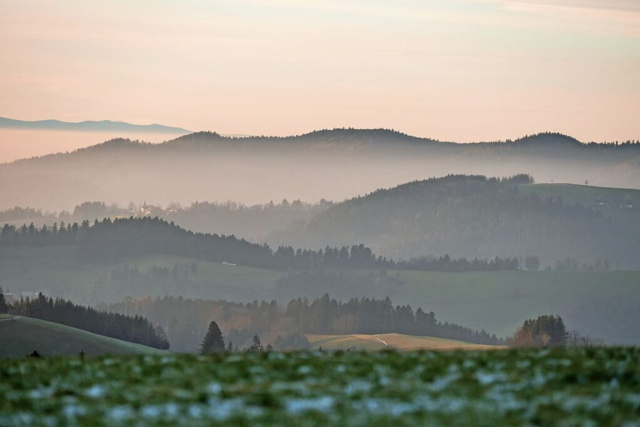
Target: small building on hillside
point(151, 210)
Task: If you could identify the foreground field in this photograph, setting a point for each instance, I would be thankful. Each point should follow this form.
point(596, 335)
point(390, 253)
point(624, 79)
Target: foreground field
point(536, 387)
point(22, 336)
point(389, 341)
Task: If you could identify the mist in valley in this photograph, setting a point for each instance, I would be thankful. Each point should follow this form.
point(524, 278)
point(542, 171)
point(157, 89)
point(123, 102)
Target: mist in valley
point(331, 165)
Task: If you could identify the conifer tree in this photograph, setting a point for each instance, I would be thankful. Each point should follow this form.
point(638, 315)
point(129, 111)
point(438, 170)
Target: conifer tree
point(256, 347)
point(4, 307)
point(213, 342)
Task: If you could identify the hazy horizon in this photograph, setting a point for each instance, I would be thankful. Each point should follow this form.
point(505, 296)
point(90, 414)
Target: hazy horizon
point(464, 70)
point(20, 144)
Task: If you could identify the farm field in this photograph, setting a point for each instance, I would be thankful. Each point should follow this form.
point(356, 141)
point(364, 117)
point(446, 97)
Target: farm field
point(389, 341)
point(512, 387)
point(21, 336)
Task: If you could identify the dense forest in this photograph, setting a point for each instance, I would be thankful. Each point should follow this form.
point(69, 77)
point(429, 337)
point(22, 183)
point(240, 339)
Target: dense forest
point(110, 241)
point(473, 217)
point(135, 329)
point(187, 320)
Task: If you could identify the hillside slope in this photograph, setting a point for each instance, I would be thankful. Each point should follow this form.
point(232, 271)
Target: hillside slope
point(601, 304)
point(22, 336)
point(621, 204)
point(474, 216)
point(57, 271)
point(333, 165)
point(390, 341)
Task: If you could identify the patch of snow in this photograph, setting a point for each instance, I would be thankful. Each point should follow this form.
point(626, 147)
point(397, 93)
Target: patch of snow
point(321, 404)
point(95, 392)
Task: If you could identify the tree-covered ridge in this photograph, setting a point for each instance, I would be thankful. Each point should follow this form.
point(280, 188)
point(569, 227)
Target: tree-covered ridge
point(331, 164)
point(471, 217)
point(135, 329)
point(346, 136)
point(187, 321)
point(110, 241)
point(18, 213)
point(252, 222)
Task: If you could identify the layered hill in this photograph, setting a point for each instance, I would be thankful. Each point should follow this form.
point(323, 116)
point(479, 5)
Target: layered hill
point(475, 216)
point(23, 335)
point(336, 164)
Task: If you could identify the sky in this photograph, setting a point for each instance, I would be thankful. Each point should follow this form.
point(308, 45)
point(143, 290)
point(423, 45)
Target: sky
point(455, 70)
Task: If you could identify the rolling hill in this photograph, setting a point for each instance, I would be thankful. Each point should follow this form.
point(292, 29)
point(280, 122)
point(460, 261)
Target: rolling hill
point(601, 304)
point(474, 216)
point(621, 204)
point(21, 336)
point(390, 341)
point(333, 165)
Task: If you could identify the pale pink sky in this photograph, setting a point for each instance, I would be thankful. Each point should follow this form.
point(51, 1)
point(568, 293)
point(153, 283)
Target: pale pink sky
point(463, 70)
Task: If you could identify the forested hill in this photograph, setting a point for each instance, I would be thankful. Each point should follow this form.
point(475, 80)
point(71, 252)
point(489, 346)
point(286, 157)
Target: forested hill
point(108, 242)
point(330, 164)
point(475, 216)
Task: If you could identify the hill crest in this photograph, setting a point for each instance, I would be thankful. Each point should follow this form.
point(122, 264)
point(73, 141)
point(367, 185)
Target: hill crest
point(89, 125)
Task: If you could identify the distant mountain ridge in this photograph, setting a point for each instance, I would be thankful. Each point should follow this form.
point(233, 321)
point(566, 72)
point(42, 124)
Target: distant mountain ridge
point(88, 126)
point(328, 164)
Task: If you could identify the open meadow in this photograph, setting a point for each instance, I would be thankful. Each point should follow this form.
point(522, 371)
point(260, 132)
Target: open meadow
point(23, 335)
point(400, 342)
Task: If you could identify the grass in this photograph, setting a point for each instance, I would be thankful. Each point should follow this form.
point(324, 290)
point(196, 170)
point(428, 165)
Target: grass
point(506, 388)
point(601, 304)
point(389, 341)
point(588, 196)
point(22, 336)
point(57, 270)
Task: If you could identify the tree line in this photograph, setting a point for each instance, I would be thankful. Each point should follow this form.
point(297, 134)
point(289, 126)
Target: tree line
point(187, 320)
point(109, 241)
point(135, 329)
point(549, 331)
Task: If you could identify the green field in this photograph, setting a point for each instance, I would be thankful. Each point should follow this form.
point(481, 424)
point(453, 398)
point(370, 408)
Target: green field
point(585, 195)
point(601, 304)
point(496, 388)
point(22, 336)
point(56, 270)
point(389, 342)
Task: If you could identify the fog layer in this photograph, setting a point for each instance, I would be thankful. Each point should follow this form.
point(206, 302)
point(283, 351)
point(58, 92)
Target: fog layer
point(329, 164)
